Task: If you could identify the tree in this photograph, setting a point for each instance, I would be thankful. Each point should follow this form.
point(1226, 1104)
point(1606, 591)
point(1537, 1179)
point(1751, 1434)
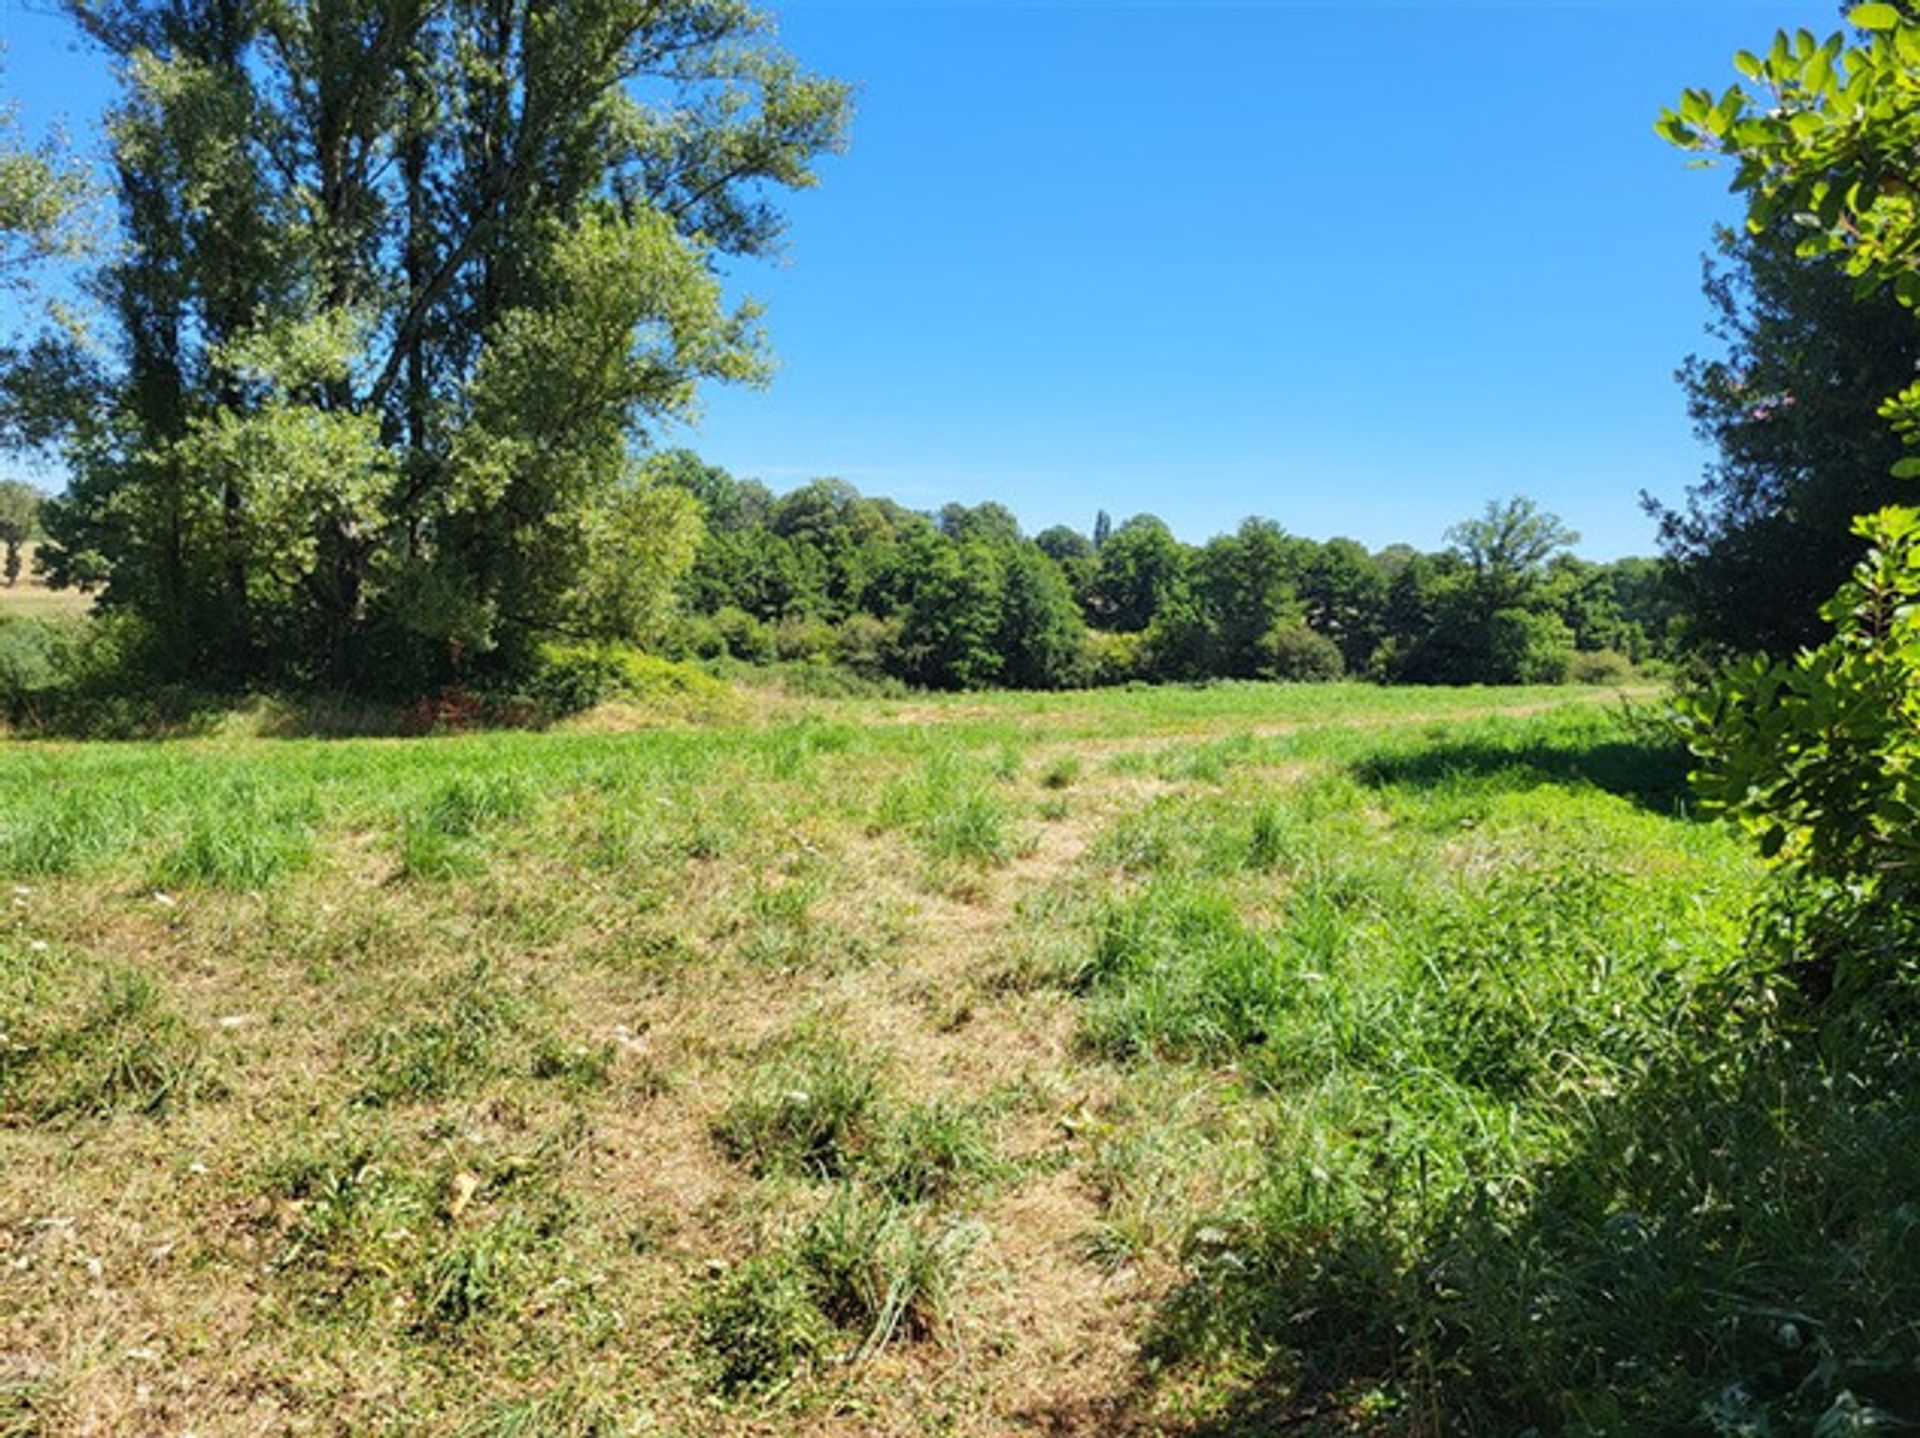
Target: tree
point(1481, 613)
point(19, 524)
point(952, 621)
point(990, 523)
point(1062, 543)
point(42, 201)
point(1041, 632)
point(1819, 754)
point(44, 211)
point(446, 266)
point(1142, 567)
point(1344, 592)
point(1246, 584)
point(1506, 549)
point(1792, 406)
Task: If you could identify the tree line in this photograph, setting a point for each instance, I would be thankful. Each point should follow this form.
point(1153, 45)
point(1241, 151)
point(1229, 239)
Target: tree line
point(963, 598)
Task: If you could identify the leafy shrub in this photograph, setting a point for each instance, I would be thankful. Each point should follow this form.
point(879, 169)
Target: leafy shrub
point(1108, 659)
point(571, 678)
point(1600, 666)
point(94, 679)
point(802, 640)
point(36, 660)
point(817, 679)
point(744, 637)
point(1819, 756)
point(1297, 654)
point(867, 645)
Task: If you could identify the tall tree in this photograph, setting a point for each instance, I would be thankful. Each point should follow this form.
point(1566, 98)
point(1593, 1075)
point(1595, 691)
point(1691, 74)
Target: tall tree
point(405, 284)
point(1247, 584)
point(1791, 404)
point(1142, 567)
point(1506, 549)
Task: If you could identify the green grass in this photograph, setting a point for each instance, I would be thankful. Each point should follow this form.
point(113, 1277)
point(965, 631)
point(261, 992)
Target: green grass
point(1197, 1061)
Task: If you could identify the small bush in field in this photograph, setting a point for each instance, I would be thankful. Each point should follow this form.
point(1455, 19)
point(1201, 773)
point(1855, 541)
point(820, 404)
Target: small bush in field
point(1300, 655)
point(1600, 666)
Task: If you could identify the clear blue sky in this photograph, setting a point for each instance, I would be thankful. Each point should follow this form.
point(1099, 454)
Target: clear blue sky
point(1355, 267)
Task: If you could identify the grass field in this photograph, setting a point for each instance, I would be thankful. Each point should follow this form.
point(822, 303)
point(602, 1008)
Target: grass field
point(28, 598)
point(1075, 1065)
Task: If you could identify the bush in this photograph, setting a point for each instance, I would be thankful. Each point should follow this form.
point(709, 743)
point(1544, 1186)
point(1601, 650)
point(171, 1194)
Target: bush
point(808, 679)
point(37, 659)
point(866, 645)
point(1525, 646)
point(1600, 666)
point(1297, 654)
point(743, 636)
point(694, 636)
point(572, 678)
point(1108, 659)
point(1820, 756)
point(803, 640)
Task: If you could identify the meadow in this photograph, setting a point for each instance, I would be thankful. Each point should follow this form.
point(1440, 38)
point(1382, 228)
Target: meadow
point(29, 598)
point(1203, 1061)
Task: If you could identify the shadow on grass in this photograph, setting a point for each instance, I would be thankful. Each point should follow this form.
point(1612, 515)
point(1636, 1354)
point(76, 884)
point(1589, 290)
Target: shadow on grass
point(1650, 773)
point(163, 712)
point(1730, 1245)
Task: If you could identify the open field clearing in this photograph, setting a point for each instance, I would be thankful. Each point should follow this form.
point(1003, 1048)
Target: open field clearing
point(28, 598)
point(1084, 1064)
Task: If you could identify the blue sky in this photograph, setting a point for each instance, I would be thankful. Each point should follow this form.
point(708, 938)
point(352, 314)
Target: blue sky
point(1358, 268)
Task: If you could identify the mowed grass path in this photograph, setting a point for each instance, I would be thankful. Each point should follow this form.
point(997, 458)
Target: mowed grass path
point(856, 1068)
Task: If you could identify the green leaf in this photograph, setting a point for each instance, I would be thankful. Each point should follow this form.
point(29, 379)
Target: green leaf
point(1874, 17)
point(1908, 468)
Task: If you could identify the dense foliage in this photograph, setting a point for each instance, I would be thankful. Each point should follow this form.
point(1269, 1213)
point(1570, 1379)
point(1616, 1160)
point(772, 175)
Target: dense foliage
point(962, 599)
point(1821, 756)
point(1791, 406)
point(1818, 753)
point(400, 285)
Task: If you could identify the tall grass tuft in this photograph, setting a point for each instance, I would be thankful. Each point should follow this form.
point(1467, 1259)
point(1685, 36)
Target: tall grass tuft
point(124, 1051)
point(811, 1109)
